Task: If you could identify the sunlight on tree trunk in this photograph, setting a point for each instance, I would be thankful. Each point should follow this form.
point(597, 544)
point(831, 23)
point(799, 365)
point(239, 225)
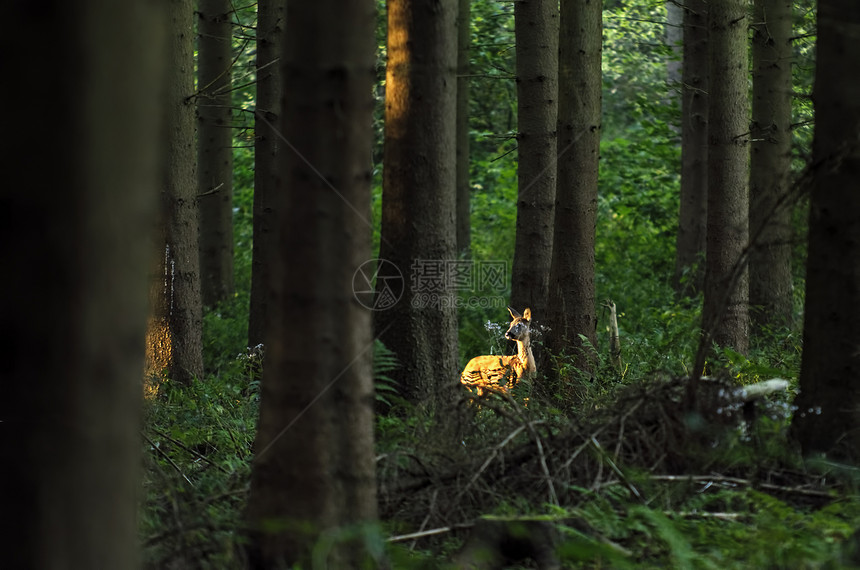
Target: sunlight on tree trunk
point(418, 233)
point(175, 280)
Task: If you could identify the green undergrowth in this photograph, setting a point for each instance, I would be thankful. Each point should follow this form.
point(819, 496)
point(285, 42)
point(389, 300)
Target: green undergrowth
point(723, 528)
point(743, 498)
point(757, 506)
point(197, 448)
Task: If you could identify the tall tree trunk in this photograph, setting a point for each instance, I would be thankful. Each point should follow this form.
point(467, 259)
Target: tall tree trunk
point(828, 407)
point(418, 197)
point(314, 469)
point(689, 275)
point(268, 191)
point(464, 188)
point(770, 210)
point(675, 43)
point(536, 25)
point(726, 311)
point(174, 346)
point(75, 291)
point(215, 149)
point(571, 310)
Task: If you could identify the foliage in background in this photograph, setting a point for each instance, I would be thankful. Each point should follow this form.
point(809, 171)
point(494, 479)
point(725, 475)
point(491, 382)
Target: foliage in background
point(493, 111)
point(494, 217)
point(803, 74)
point(634, 65)
point(225, 327)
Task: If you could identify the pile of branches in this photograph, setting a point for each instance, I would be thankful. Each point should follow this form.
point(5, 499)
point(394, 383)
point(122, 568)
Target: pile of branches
point(643, 428)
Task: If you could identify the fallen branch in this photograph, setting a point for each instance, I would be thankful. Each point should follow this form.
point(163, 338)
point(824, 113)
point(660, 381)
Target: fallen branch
point(707, 515)
point(430, 532)
point(712, 479)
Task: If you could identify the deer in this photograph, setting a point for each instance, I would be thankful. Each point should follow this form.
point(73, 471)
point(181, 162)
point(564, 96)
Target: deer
point(494, 372)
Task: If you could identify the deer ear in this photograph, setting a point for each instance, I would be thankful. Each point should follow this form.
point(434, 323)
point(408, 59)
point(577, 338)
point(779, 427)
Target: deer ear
point(527, 314)
point(514, 314)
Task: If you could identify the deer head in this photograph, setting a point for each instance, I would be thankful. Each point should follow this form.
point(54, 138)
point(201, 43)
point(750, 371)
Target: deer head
point(520, 326)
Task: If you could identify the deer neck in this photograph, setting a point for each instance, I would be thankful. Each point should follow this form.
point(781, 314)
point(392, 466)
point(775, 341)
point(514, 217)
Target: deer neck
point(525, 356)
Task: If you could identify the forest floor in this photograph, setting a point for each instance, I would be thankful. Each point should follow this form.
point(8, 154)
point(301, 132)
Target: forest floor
point(626, 480)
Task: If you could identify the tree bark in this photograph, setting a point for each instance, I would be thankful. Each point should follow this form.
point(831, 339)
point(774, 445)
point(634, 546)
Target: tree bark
point(571, 309)
point(464, 187)
point(268, 188)
point(75, 310)
point(314, 471)
point(771, 286)
point(689, 275)
point(174, 347)
point(828, 406)
point(536, 24)
point(726, 312)
point(418, 197)
point(215, 149)
point(675, 42)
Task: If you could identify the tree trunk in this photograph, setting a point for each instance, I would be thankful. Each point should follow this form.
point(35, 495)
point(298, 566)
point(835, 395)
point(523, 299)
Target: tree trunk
point(314, 470)
point(828, 407)
point(771, 287)
point(75, 290)
point(536, 23)
point(675, 43)
point(464, 187)
point(726, 312)
point(268, 190)
point(571, 309)
point(174, 347)
point(215, 149)
point(692, 219)
point(418, 199)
